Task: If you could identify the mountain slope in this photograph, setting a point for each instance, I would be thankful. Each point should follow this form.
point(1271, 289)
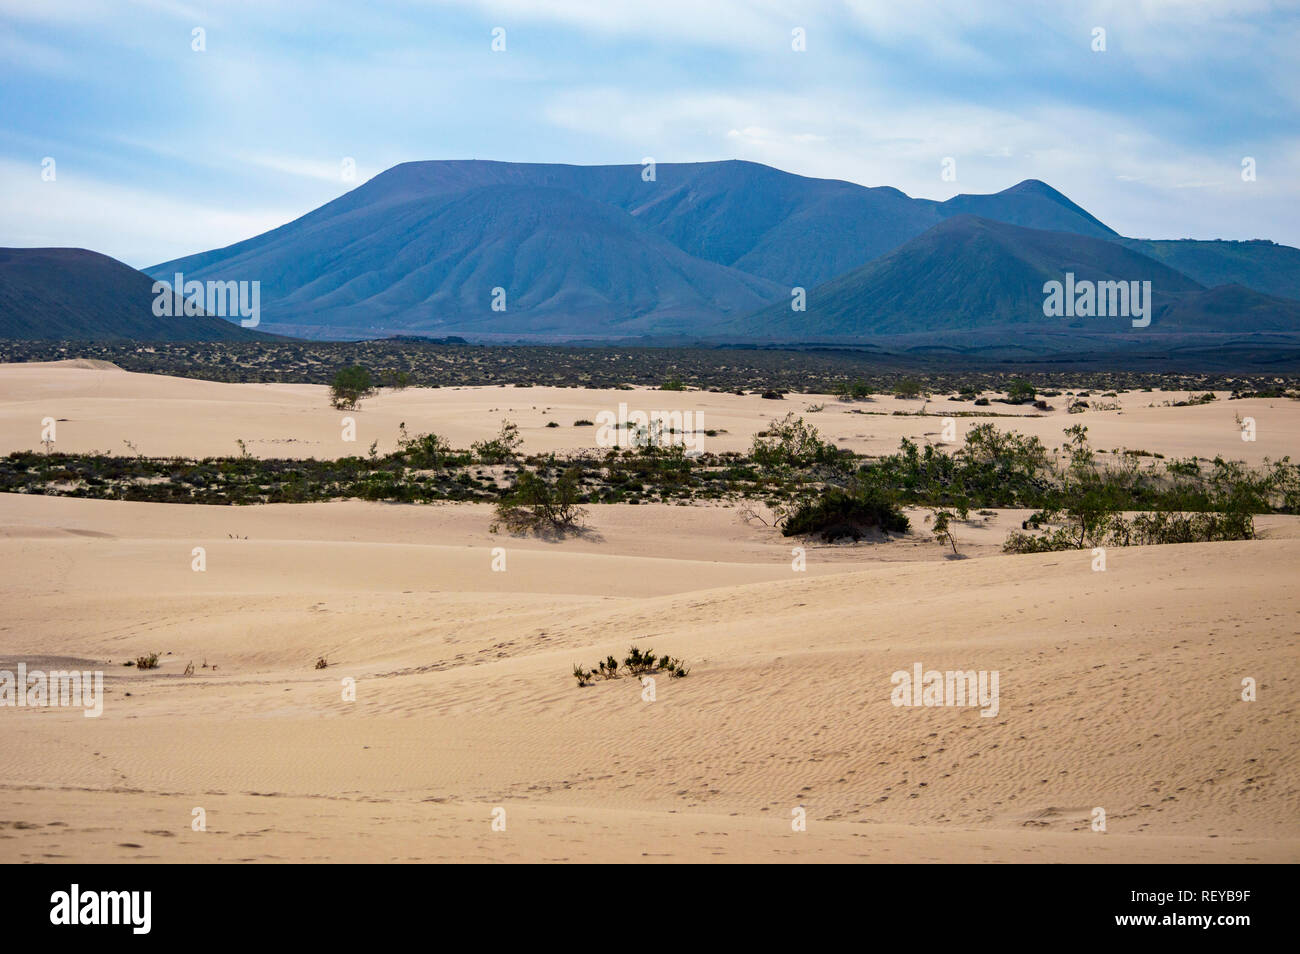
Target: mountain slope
point(1264, 266)
point(75, 294)
point(579, 250)
point(1031, 204)
point(969, 273)
point(429, 261)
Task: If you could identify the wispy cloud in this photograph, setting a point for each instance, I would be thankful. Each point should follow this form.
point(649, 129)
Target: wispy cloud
point(262, 120)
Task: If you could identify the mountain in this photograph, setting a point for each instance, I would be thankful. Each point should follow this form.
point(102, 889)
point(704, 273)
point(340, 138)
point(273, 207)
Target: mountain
point(693, 250)
point(1264, 266)
point(972, 274)
point(403, 254)
point(580, 250)
point(1031, 204)
point(75, 294)
point(1230, 309)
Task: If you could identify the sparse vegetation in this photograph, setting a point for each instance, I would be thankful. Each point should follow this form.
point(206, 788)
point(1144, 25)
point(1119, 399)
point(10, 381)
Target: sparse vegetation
point(838, 514)
point(501, 449)
point(942, 529)
point(349, 386)
point(635, 663)
point(539, 504)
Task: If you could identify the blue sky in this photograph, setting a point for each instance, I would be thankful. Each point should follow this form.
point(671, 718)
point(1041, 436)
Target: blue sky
point(162, 151)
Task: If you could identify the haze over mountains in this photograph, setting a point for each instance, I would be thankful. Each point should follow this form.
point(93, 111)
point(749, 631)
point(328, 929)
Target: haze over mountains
point(708, 251)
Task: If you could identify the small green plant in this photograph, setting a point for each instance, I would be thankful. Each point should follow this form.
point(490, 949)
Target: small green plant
point(636, 663)
point(908, 387)
point(790, 442)
point(855, 390)
point(1021, 391)
point(424, 451)
point(836, 514)
point(501, 449)
point(942, 529)
point(537, 504)
point(349, 386)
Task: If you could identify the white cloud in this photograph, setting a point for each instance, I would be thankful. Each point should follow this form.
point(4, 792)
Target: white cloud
point(140, 227)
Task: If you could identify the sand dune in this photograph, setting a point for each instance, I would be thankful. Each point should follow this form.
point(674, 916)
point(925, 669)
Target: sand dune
point(114, 411)
point(1118, 690)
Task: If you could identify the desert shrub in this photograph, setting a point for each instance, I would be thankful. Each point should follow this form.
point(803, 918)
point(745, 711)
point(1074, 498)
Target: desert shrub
point(637, 662)
point(537, 504)
point(349, 386)
point(942, 529)
point(908, 387)
point(673, 384)
point(424, 451)
point(674, 667)
point(147, 662)
point(838, 513)
point(854, 390)
point(1020, 391)
point(320, 662)
point(790, 442)
point(501, 449)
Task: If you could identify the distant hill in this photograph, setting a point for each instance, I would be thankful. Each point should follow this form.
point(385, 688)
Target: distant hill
point(427, 260)
point(1264, 266)
point(972, 274)
point(1031, 204)
point(581, 250)
point(75, 294)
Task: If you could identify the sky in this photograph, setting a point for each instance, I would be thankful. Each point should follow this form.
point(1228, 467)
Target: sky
point(119, 134)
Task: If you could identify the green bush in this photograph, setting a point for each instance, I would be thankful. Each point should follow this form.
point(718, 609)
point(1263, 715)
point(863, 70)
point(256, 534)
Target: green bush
point(837, 514)
point(501, 449)
point(539, 505)
point(350, 385)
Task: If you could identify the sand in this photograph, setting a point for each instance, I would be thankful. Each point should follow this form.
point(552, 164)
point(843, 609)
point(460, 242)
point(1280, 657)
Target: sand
point(120, 412)
point(1119, 690)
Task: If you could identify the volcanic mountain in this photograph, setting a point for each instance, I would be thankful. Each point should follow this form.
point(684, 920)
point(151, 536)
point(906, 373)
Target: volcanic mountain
point(75, 294)
point(594, 251)
point(973, 274)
